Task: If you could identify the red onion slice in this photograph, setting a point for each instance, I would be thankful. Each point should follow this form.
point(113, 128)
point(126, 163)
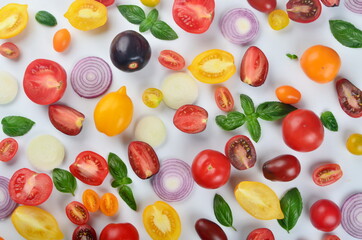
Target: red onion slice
point(352, 215)
point(174, 181)
point(91, 77)
point(239, 26)
point(7, 205)
point(354, 5)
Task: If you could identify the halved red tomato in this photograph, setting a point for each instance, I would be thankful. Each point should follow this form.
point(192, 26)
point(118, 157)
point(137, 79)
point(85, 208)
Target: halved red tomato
point(350, 98)
point(8, 149)
point(171, 60)
point(330, 3)
point(265, 6)
point(304, 11)
point(224, 99)
point(241, 152)
point(66, 119)
point(44, 81)
point(190, 118)
point(327, 174)
point(90, 167)
point(254, 67)
point(193, 16)
point(77, 213)
point(30, 188)
point(9, 50)
point(331, 237)
point(106, 2)
point(261, 234)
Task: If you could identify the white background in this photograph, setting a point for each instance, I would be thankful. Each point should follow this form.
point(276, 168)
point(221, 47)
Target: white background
point(36, 42)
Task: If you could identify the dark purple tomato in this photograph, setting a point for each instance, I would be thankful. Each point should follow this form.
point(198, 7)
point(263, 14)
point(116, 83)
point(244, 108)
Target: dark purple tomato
point(130, 51)
point(282, 168)
point(208, 230)
point(241, 152)
point(84, 232)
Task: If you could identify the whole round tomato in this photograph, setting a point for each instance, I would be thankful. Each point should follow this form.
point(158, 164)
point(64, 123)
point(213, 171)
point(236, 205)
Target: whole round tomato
point(117, 231)
point(210, 169)
point(325, 215)
point(260, 234)
point(302, 130)
point(354, 144)
point(331, 237)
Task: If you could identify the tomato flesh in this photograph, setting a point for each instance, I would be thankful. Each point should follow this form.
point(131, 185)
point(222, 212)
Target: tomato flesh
point(265, 6)
point(171, 60)
point(349, 97)
point(9, 50)
point(13, 19)
point(241, 152)
point(304, 11)
point(109, 204)
point(8, 149)
point(84, 232)
point(77, 213)
point(117, 231)
point(327, 174)
point(224, 99)
point(282, 168)
point(260, 234)
point(254, 67)
point(91, 200)
point(66, 119)
point(325, 215)
point(190, 118)
point(330, 3)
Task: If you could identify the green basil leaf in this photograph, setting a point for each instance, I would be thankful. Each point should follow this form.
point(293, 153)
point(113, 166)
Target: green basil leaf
point(231, 121)
point(14, 126)
point(127, 195)
point(271, 111)
point(253, 126)
point(64, 181)
point(329, 121)
point(45, 18)
point(149, 21)
point(223, 212)
point(292, 206)
point(134, 14)
point(120, 182)
point(292, 56)
point(163, 31)
point(247, 104)
point(346, 33)
point(116, 166)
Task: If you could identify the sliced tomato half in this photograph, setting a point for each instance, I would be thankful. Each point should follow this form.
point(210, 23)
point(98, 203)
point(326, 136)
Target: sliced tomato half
point(223, 98)
point(350, 98)
point(66, 119)
point(304, 11)
point(9, 50)
point(8, 149)
point(254, 67)
point(327, 174)
point(171, 60)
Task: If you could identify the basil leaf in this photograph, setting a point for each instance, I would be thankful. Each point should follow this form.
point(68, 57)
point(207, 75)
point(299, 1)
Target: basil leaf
point(127, 195)
point(292, 56)
point(292, 206)
point(329, 121)
point(253, 126)
point(271, 111)
point(134, 14)
point(116, 166)
point(45, 18)
point(14, 126)
point(64, 181)
point(346, 33)
point(120, 182)
point(163, 31)
point(231, 121)
point(149, 21)
point(247, 104)
point(223, 212)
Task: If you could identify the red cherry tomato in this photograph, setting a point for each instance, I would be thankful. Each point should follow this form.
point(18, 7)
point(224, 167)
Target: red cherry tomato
point(30, 188)
point(241, 152)
point(190, 118)
point(9, 50)
point(327, 174)
point(331, 237)
point(84, 232)
point(8, 149)
point(304, 11)
point(171, 60)
point(325, 215)
point(282, 168)
point(302, 130)
point(117, 231)
point(77, 213)
point(61, 40)
point(193, 16)
point(224, 99)
point(44, 81)
point(90, 167)
point(265, 6)
point(261, 234)
point(254, 67)
point(350, 98)
point(210, 169)
point(106, 2)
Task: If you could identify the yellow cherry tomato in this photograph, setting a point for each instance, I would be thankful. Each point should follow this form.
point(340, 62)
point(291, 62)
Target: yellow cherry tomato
point(258, 200)
point(161, 221)
point(152, 97)
point(91, 200)
point(109, 204)
point(34, 223)
point(13, 20)
point(278, 19)
point(150, 3)
point(86, 14)
point(213, 66)
point(114, 112)
point(61, 40)
point(354, 144)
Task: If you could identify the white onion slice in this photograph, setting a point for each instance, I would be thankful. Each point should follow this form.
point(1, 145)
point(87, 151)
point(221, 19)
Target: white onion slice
point(8, 87)
point(7, 205)
point(354, 5)
point(152, 130)
point(352, 215)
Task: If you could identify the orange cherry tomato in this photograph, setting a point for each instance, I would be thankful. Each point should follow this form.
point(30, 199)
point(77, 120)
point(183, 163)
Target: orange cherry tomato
point(109, 204)
point(320, 63)
point(91, 200)
point(61, 40)
point(288, 94)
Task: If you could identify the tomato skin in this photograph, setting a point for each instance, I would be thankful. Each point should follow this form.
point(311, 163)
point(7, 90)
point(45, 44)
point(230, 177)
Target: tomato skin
point(91, 200)
point(9, 50)
point(304, 11)
point(30, 188)
point(331, 237)
point(349, 97)
point(190, 118)
point(90, 168)
point(109, 204)
point(223, 98)
point(209, 230)
point(327, 174)
point(77, 213)
point(61, 40)
point(254, 67)
point(354, 144)
point(210, 169)
point(265, 6)
point(12, 11)
point(44, 81)
point(8, 149)
point(106, 3)
point(282, 168)
point(260, 234)
point(84, 232)
point(117, 231)
point(241, 152)
point(171, 60)
point(288, 94)
point(302, 130)
point(325, 215)
point(193, 16)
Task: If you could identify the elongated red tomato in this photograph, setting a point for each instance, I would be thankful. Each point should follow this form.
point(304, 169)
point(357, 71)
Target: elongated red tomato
point(9, 50)
point(224, 99)
point(171, 60)
point(254, 67)
point(190, 118)
point(327, 174)
point(8, 149)
point(77, 213)
point(265, 6)
point(66, 119)
point(193, 16)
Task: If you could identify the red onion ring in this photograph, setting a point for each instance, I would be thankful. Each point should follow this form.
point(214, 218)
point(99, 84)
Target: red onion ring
point(173, 172)
point(354, 5)
point(352, 215)
point(91, 77)
point(230, 26)
point(7, 205)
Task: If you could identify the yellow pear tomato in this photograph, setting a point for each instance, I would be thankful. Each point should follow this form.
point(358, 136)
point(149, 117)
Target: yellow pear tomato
point(34, 223)
point(258, 200)
point(13, 19)
point(114, 112)
point(86, 14)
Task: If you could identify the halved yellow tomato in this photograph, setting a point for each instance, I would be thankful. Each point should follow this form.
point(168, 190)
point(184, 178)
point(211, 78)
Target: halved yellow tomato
point(13, 19)
point(213, 66)
point(161, 221)
point(258, 200)
point(86, 14)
